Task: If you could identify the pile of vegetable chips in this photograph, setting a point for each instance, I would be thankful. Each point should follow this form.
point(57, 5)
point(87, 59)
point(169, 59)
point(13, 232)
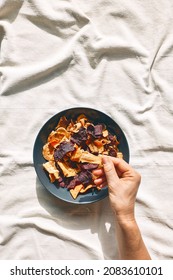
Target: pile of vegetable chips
point(73, 150)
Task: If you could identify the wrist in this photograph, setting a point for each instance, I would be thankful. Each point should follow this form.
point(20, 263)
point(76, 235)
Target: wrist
point(125, 217)
point(126, 223)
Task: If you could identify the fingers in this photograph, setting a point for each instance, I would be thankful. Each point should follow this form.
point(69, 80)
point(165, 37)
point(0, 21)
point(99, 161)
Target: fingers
point(98, 172)
point(113, 169)
point(101, 182)
point(110, 171)
point(107, 173)
point(122, 167)
point(120, 164)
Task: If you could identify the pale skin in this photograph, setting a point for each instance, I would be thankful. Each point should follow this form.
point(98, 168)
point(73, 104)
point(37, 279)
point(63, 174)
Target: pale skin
point(123, 183)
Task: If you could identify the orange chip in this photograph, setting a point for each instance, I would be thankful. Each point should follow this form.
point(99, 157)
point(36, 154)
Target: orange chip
point(105, 133)
point(66, 169)
point(90, 158)
point(58, 135)
point(98, 143)
point(70, 126)
point(63, 122)
point(74, 192)
point(52, 170)
point(119, 155)
point(82, 118)
point(48, 152)
point(76, 155)
point(93, 148)
point(75, 127)
point(83, 190)
point(105, 141)
point(52, 177)
point(100, 146)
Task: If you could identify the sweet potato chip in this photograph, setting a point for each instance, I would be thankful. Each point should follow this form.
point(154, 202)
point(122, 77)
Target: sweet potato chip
point(52, 170)
point(93, 148)
point(82, 119)
point(63, 122)
point(83, 190)
point(76, 127)
point(119, 155)
point(66, 169)
point(58, 135)
point(88, 157)
point(74, 192)
point(48, 151)
point(105, 133)
point(76, 155)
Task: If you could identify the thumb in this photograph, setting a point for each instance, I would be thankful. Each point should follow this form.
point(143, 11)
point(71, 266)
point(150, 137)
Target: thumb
point(110, 172)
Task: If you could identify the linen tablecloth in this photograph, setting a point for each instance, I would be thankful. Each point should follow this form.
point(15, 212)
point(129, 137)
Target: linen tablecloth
point(116, 56)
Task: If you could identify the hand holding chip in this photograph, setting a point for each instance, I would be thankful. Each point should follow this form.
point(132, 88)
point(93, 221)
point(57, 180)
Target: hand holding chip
point(123, 182)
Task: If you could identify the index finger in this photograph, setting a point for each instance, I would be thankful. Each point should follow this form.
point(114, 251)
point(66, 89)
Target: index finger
point(121, 165)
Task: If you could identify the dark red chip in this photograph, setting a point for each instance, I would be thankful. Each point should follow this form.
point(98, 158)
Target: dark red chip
point(98, 130)
point(63, 149)
point(79, 137)
point(89, 166)
point(84, 177)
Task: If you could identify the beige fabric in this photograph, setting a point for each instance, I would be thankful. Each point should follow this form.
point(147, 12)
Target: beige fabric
point(116, 56)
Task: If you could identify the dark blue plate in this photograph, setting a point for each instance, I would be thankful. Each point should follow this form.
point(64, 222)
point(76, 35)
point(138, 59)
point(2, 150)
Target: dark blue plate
point(96, 117)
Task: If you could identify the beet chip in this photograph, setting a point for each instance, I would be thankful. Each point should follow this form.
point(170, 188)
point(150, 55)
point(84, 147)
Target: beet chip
point(74, 182)
point(95, 130)
point(84, 177)
point(89, 166)
point(112, 153)
point(79, 137)
point(63, 149)
point(61, 182)
point(90, 130)
point(98, 129)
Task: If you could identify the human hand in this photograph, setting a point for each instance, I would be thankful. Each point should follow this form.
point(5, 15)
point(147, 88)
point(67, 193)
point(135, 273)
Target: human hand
point(123, 182)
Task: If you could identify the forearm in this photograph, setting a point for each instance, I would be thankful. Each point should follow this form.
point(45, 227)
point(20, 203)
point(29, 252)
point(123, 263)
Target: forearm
point(130, 242)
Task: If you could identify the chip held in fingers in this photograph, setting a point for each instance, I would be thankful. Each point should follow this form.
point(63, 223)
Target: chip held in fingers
point(73, 150)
